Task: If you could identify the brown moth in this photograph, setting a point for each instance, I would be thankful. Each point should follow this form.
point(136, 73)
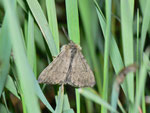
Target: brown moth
point(69, 67)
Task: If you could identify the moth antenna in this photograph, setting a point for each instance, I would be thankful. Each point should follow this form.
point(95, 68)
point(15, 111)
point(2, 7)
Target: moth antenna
point(65, 32)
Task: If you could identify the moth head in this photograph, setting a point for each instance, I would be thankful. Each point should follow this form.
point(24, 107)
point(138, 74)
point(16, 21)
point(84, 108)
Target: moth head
point(73, 45)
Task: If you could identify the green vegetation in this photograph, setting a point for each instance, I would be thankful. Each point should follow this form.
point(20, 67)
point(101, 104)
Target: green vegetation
point(112, 34)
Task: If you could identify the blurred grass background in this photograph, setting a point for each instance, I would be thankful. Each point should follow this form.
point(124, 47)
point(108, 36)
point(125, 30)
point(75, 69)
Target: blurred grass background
point(112, 33)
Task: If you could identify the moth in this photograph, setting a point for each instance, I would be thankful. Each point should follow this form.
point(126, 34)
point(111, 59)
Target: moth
point(69, 67)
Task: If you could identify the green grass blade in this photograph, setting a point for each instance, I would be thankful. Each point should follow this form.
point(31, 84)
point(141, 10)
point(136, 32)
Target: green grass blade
point(116, 85)
point(11, 86)
point(40, 18)
point(89, 106)
point(114, 51)
point(3, 109)
point(127, 38)
point(115, 94)
point(60, 99)
point(5, 103)
point(69, 111)
point(77, 100)
point(137, 51)
point(73, 20)
point(26, 31)
point(22, 4)
point(25, 74)
point(52, 19)
point(106, 53)
point(41, 96)
point(131, 4)
point(66, 104)
point(96, 98)
point(43, 24)
point(39, 39)
point(142, 81)
point(142, 5)
point(31, 51)
point(143, 102)
point(5, 52)
point(145, 26)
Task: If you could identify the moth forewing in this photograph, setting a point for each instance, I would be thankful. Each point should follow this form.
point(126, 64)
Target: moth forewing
point(69, 67)
point(55, 73)
point(81, 74)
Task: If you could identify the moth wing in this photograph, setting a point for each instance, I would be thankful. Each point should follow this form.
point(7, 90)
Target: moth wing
point(55, 73)
point(81, 75)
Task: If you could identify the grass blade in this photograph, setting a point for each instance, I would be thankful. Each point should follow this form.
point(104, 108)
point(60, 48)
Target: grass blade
point(52, 19)
point(42, 22)
point(143, 102)
point(145, 26)
point(3, 109)
point(142, 81)
point(73, 20)
point(41, 96)
point(25, 74)
point(77, 100)
point(69, 111)
point(59, 106)
point(116, 85)
point(22, 4)
point(11, 86)
point(5, 103)
point(106, 53)
point(40, 41)
point(114, 51)
point(127, 37)
point(5, 52)
point(66, 104)
point(137, 50)
point(97, 99)
point(31, 52)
